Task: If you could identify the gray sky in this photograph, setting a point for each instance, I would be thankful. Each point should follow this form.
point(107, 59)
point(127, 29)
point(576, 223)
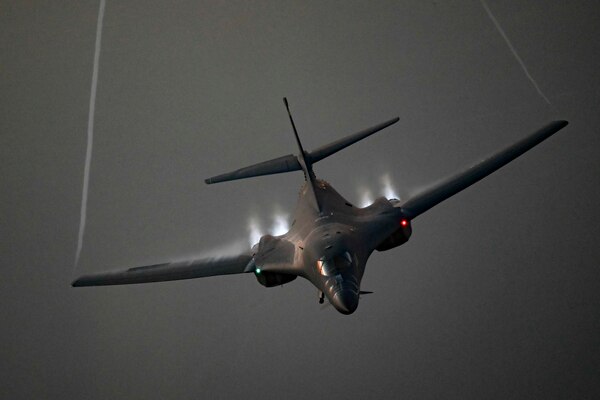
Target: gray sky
point(495, 296)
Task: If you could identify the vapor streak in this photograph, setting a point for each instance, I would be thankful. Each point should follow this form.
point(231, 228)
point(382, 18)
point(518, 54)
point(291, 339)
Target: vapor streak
point(90, 131)
point(512, 49)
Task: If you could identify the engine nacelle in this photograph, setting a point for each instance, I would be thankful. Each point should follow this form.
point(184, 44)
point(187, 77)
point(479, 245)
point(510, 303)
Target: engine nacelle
point(400, 236)
point(270, 279)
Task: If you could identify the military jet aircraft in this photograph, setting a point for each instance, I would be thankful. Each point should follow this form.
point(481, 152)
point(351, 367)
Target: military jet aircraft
point(330, 239)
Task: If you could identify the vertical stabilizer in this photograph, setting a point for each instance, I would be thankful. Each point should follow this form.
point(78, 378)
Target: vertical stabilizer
point(304, 161)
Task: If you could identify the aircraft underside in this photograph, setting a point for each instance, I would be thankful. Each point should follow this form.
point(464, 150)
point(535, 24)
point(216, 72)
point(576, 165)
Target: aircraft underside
point(330, 240)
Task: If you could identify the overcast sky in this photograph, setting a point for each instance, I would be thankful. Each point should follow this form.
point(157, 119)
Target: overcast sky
point(496, 295)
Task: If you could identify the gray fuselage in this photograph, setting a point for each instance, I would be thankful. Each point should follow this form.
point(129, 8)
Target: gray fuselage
point(331, 246)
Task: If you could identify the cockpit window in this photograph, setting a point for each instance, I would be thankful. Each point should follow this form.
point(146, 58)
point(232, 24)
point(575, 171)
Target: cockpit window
point(333, 266)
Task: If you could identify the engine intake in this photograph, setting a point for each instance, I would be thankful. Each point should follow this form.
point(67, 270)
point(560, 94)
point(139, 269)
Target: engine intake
point(400, 236)
point(270, 279)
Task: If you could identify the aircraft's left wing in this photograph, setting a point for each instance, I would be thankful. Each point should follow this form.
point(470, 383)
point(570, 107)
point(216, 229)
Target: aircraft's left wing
point(170, 271)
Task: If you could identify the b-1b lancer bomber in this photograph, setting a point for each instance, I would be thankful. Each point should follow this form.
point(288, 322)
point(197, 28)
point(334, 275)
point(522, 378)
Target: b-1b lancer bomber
point(330, 240)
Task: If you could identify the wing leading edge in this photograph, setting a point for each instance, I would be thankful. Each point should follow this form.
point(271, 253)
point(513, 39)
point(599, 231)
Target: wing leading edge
point(170, 271)
point(440, 192)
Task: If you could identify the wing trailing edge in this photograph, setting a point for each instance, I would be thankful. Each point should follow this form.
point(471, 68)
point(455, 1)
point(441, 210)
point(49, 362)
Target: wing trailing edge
point(449, 187)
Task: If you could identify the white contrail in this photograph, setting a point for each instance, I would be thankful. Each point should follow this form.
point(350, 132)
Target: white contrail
point(90, 131)
point(512, 49)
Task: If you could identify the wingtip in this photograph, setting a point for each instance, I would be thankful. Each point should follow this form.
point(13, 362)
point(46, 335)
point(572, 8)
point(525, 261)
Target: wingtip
point(558, 125)
point(84, 280)
point(561, 123)
point(208, 181)
point(393, 121)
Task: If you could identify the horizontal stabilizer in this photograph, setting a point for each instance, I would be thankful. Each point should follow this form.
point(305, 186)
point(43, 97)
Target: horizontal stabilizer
point(291, 162)
point(334, 147)
point(169, 271)
point(440, 192)
point(276, 166)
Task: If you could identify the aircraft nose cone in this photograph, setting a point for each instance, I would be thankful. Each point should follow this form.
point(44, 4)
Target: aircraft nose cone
point(345, 301)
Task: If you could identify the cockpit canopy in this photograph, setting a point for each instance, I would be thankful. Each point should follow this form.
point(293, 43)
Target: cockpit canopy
point(332, 266)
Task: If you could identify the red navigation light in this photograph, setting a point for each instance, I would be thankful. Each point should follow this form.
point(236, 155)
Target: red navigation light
point(404, 222)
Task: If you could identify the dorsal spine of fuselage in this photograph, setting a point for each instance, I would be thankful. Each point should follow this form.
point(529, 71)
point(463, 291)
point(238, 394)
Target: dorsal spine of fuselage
point(305, 163)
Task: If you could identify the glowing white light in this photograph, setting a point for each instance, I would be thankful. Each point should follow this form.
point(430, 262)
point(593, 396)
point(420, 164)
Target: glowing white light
point(366, 198)
point(254, 231)
point(224, 250)
point(388, 191)
point(280, 225)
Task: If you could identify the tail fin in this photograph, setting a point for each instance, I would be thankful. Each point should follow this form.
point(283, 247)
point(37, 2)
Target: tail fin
point(306, 166)
point(303, 161)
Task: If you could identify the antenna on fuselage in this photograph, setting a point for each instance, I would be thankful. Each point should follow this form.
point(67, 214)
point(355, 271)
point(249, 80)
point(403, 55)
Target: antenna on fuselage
point(304, 160)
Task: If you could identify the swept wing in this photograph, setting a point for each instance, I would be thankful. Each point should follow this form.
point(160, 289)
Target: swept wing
point(170, 271)
point(440, 192)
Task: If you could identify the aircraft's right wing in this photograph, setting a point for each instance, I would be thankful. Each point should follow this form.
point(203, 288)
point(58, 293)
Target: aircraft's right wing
point(440, 192)
point(170, 271)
